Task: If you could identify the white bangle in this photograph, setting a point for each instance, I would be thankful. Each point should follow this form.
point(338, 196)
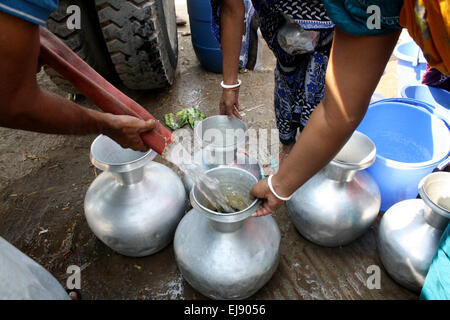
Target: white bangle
point(269, 182)
point(230, 86)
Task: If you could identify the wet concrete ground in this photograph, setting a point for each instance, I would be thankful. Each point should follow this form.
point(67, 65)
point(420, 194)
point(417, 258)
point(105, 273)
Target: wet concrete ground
point(43, 180)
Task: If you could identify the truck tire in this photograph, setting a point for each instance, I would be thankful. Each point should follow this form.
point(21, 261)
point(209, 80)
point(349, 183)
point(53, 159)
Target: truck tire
point(130, 41)
point(83, 41)
point(141, 37)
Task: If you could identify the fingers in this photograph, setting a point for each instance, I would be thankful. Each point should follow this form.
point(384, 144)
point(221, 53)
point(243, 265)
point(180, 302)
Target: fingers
point(147, 126)
point(135, 143)
point(143, 147)
point(127, 131)
point(238, 106)
point(256, 190)
point(263, 210)
point(237, 115)
point(229, 104)
point(222, 108)
point(270, 204)
point(151, 124)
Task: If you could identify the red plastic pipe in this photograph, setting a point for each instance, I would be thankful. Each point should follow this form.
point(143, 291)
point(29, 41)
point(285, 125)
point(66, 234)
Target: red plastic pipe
point(93, 86)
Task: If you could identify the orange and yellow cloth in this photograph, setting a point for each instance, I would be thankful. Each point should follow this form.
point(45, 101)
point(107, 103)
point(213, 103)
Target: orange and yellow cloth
point(428, 23)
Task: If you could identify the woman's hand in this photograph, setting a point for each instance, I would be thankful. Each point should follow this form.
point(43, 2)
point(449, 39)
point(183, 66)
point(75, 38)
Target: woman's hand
point(270, 202)
point(229, 103)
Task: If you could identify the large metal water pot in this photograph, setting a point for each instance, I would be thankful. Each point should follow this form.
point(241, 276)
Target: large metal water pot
point(21, 278)
point(135, 205)
point(409, 232)
point(340, 202)
point(220, 140)
point(227, 255)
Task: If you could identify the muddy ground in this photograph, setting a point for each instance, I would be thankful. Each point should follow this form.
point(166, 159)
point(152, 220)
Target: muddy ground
point(43, 180)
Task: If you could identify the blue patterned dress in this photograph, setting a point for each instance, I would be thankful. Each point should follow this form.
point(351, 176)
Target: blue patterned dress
point(300, 78)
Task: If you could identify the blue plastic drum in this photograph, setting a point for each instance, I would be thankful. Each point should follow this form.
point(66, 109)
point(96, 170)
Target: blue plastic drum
point(411, 141)
point(439, 99)
point(205, 45)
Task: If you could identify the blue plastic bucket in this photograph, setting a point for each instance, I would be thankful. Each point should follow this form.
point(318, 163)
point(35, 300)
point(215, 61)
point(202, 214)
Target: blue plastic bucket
point(205, 45)
point(411, 64)
point(439, 99)
point(411, 141)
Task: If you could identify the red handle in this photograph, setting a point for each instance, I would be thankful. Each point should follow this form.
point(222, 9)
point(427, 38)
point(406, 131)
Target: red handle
point(93, 86)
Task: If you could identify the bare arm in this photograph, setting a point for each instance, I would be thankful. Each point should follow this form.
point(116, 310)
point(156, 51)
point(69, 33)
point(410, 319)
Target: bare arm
point(24, 105)
point(355, 67)
point(231, 26)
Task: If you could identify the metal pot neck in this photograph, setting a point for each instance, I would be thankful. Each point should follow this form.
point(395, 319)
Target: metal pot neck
point(434, 219)
point(130, 177)
point(432, 188)
point(126, 165)
point(338, 173)
point(226, 227)
point(357, 154)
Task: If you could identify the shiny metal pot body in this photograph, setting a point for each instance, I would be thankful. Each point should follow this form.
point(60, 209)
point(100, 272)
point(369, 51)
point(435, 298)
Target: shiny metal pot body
point(340, 202)
point(220, 139)
point(227, 256)
point(21, 278)
point(135, 205)
point(409, 232)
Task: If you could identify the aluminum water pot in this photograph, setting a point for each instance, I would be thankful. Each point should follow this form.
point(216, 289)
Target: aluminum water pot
point(220, 139)
point(409, 232)
point(340, 202)
point(21, 278)
point(135, 205)
point(227, 255)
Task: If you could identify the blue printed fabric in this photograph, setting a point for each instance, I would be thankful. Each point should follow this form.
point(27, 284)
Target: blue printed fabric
point(298, 92)
point(35, 11)
point(300, 78)
point(351, 15)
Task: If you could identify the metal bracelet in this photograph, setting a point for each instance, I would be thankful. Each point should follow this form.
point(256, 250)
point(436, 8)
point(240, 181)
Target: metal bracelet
point(230, 86)
point(269, 182)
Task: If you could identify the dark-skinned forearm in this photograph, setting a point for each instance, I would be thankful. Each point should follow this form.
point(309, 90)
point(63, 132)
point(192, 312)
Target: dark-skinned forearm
point(355, 67)
point(41, 111)
point(232, 26)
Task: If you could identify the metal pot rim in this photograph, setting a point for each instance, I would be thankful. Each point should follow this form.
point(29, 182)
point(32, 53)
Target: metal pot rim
point(435, 176)
point(214, 146)
point(226, 217)
point(361, 165)
point(119, 167)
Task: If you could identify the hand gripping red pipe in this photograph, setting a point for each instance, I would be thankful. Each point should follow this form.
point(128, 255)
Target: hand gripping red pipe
point(93, 86)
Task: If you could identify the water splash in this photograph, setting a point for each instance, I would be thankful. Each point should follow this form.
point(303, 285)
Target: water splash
point(208, 186)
